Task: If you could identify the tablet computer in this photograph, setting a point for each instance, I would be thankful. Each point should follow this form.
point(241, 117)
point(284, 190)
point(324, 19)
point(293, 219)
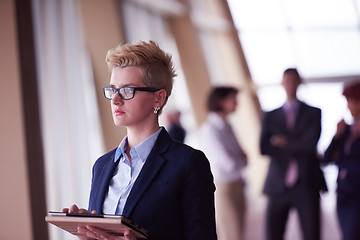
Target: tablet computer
point(114, 224)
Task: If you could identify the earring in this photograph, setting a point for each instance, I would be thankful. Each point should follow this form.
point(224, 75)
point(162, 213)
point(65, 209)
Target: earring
point(156, 109)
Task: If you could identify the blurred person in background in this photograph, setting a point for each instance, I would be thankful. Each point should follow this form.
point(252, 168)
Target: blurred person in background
point(227, 160)
point(289, 136)
point(344, 151)
point(163, 185)
point(175, 129)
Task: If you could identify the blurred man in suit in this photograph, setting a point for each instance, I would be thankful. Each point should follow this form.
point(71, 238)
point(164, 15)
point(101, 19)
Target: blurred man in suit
point(176, 130)
point(289, 136)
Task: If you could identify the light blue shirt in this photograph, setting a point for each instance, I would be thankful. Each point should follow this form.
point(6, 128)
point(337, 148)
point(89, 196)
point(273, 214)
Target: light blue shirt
point(126, 174)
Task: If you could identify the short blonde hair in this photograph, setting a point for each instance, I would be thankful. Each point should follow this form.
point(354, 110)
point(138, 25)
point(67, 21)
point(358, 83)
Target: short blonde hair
point(155, 64)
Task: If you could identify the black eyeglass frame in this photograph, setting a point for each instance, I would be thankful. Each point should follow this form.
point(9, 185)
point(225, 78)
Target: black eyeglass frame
point(117, 90)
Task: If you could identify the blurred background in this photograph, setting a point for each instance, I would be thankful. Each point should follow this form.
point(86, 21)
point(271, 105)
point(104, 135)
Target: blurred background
point(55, 122)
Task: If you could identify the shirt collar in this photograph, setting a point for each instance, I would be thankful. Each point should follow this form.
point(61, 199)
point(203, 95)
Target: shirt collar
point(292, 105)
point(143, 149)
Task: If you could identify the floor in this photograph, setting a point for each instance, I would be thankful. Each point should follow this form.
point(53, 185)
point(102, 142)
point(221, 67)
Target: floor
point(254, 229)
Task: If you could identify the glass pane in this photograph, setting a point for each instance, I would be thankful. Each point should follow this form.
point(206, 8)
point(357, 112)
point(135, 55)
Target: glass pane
point(328, 97)
point(328, 53)
point(249, 14)
point(207, 44)
point(267, 54)
point(320, 13)
point(271, 97)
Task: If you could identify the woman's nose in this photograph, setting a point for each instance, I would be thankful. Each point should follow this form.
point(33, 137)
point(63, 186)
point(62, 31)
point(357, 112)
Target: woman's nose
point(117, 99)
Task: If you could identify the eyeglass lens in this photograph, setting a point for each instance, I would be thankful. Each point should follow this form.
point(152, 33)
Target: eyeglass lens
point(125, 92)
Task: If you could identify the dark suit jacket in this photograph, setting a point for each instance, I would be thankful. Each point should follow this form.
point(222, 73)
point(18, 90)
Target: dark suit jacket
point(301, 146)
point(177, 132)
point(348, 163)
point(173, 196)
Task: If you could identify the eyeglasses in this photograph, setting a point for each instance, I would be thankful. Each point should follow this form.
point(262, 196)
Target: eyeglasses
point(126, 93)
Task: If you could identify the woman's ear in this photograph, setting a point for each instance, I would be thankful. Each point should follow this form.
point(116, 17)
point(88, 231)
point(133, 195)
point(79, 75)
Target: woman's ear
point(160, 97)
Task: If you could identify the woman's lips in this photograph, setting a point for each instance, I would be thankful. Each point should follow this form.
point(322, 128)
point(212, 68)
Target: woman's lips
point(118, 112)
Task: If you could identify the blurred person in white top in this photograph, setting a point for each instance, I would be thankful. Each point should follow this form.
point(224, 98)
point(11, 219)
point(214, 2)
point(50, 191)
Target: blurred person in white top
point(227, 160)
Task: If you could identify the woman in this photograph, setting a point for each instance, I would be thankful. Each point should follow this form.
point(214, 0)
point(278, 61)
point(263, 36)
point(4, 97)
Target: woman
point(227, 160)
point(161, 184)
point(344, 151)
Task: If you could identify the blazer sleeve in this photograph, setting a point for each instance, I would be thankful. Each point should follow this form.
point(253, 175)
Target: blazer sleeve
point(335, 150)
point(198, 199)
point(271, 126)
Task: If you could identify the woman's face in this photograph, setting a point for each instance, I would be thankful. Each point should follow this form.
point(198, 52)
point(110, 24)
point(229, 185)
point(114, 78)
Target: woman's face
point(135, 112)
point(229, 104)
point(354, 107)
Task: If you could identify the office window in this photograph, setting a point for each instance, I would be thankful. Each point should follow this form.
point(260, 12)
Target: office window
point(321, 38)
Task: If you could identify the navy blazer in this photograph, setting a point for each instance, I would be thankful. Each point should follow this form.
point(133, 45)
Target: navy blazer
point(173, 196)
point(301, 145)
point(348, 163)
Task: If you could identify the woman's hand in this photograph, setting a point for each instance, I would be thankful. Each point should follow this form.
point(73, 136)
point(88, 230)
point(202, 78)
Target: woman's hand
point(278, 141)
point(75, 209)
point(340, 128)
point(97, 233)
point(90, 232)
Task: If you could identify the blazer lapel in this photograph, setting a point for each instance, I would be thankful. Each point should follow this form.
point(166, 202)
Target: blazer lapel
point(153, 164)
point(281, 118)
point(103, 185)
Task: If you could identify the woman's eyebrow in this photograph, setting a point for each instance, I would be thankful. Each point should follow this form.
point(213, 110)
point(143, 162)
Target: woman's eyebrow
point(126, 85)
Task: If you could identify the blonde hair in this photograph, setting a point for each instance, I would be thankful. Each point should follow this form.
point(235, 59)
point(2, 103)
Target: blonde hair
point(154, 63)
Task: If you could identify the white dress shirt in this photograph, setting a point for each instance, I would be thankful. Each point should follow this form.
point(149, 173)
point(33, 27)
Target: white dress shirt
point(218, 142)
